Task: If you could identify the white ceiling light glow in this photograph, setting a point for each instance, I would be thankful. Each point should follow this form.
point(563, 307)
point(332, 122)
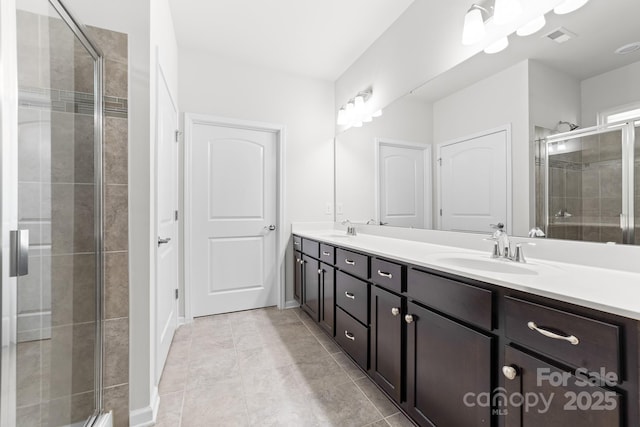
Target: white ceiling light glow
point(569, 6)
point(473, 30)
point(532, 27)
point(357, 111)
point(507, 11)
point(498, 46)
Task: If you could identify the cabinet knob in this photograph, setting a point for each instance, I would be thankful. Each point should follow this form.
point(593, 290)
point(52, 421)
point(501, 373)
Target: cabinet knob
point(395, 311)
point(298, 260)
point(320, 271)
point(510, 372)
point(408, 318)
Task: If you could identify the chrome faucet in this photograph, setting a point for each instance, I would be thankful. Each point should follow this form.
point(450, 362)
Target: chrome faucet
point(502, 245)
point(536, 232)
point(351, 229)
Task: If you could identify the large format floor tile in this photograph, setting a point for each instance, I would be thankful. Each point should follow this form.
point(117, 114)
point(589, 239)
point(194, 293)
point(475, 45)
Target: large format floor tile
point(266, 367)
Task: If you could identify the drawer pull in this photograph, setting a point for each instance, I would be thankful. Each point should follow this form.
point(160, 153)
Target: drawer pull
point(349, 295)
point(296, 243)
point(383, 274)
point(408, 318)
point(510, 372)
point(571, 339)
point(349, 335)
point(320, 271)
point(395, 311)
point(349, 262)
point(326, 253)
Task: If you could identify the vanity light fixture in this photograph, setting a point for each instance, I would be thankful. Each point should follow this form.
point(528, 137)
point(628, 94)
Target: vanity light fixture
point(532, 27)
point(507, 11)
point(569, 6)
point(498, 46)
point(356, 111)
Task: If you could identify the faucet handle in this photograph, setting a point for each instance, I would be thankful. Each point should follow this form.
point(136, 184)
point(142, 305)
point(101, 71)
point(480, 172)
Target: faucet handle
point(495, 253)
point(519, 255)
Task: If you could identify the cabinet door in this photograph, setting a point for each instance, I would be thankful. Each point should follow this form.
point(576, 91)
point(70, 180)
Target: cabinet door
point(555, 398)
point(386, 341)
point(327, 298)
point(311, 286)
point(297, 276)
point(445, 362)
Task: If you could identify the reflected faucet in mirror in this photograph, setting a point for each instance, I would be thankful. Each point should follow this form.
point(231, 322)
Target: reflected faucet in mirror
point(351, 229)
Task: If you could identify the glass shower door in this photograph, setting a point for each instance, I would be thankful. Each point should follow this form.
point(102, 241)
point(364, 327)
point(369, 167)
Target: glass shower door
point(56, 345)
point(585, 199)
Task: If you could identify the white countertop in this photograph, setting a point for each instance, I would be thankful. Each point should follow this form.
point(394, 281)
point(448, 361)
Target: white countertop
point(608, 290)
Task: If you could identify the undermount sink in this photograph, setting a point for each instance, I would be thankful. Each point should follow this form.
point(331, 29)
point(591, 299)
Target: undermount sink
point(338, 236)
point(490, 265)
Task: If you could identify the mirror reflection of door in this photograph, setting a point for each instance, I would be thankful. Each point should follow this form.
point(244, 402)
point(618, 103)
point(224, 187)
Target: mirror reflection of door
point(404, 184)
point(474, 175)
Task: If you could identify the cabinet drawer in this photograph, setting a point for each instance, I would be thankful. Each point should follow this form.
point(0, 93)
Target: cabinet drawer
point(353, 296)
point(327, 254)
point(465, 302)
point(297, 243)
point(354, 263)
point(579, 341)
point(352, 337)
point(387, 274)
point(310, 247)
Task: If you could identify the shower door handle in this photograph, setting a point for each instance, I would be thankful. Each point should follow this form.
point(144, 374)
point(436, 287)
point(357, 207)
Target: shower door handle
point(19, 253)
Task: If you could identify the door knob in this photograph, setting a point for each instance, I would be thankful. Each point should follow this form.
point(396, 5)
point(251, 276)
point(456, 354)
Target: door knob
point(408, 318)
point(270, 228)
point(395, 311)
point(164, 241)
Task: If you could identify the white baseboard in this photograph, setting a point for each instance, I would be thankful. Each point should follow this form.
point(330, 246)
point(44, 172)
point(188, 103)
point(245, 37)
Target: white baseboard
point(145, 417)
point(291, 304)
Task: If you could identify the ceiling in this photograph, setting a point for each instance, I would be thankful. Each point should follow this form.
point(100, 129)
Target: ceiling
point(601, 26)
point(315, 38)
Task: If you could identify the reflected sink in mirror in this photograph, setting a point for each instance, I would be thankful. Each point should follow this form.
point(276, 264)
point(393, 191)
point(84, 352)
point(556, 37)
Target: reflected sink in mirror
point(491, 265)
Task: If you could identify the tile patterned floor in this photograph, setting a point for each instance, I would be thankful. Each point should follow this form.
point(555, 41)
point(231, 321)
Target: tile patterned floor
point(266, 367)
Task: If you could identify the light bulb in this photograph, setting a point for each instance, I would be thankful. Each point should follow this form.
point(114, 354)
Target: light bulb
point(367, 119)
point(507, 11)
point(358, 108)
point(473, 30)
point(569, 6)
point(377, 113)
point(350, 112)
point(357, 125)
point(499, 45)
point(342, 117)
point(532, 27)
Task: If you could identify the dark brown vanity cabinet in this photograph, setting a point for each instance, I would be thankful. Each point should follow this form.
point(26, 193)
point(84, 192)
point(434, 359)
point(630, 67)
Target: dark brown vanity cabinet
point(311, 287)
point(553, 397)
point(297, 276)
point(446, 363)
point(327, 298)
point(387, 343)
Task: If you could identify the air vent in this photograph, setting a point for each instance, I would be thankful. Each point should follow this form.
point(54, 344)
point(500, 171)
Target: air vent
point(628, 48)
point(560, 35)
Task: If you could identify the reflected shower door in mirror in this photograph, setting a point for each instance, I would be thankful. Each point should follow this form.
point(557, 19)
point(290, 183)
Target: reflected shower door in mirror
point(587, 185)
point(535, 82)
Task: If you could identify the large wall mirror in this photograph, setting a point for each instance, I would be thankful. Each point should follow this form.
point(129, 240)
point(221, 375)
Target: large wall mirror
point(467, 149)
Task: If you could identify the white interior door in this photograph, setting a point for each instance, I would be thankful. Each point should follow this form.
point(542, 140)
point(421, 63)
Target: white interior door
point(404, 185)
point(474, 175)
point(167, 223)
point(232, 265)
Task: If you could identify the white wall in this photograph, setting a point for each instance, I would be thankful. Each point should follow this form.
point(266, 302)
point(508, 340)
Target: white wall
point(219, 86)
point(553, 96)
point(407, 119)
point(496, 101)
point(612, 89)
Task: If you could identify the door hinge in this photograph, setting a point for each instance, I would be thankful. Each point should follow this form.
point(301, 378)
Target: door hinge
point(440, 161)
point(177, 293)
point(440, 212)
point(176, 215)
point(178, 133)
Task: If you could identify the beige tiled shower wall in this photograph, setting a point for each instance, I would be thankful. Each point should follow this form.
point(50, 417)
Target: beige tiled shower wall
point(116, 230)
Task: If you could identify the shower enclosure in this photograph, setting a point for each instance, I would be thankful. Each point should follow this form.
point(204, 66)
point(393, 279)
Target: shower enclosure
point(588, 183)
point(52, 202)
